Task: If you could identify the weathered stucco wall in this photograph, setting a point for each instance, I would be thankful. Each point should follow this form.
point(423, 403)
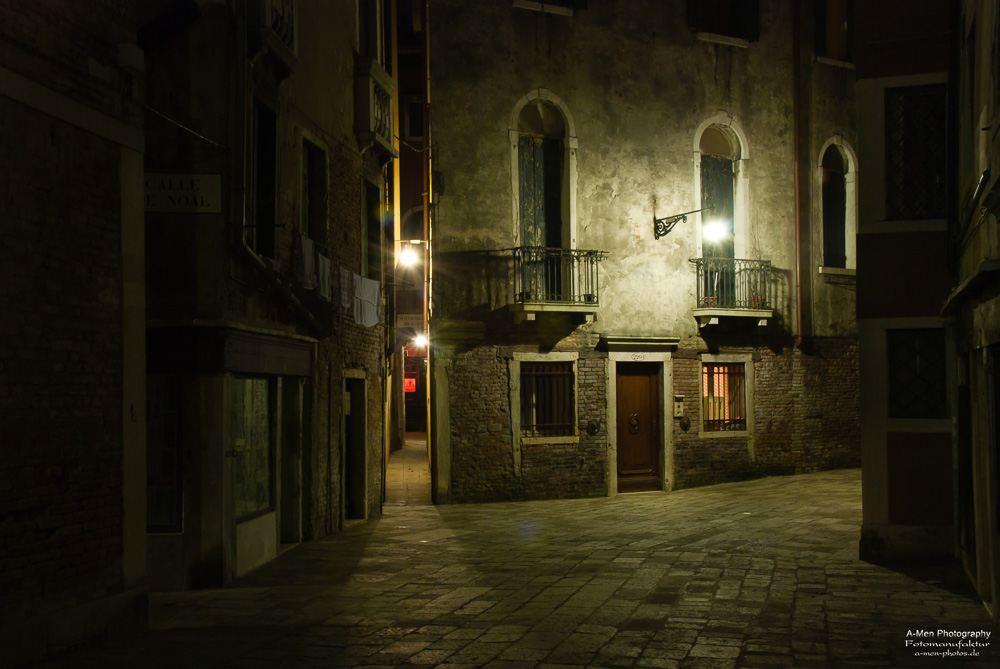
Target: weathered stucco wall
point(638, 87)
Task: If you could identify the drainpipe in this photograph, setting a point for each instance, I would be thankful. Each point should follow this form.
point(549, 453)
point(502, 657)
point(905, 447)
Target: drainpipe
point(796, 112)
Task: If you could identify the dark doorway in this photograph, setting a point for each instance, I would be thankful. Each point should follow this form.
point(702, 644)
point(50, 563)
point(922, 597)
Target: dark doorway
point(354, 448)
point(638, 402)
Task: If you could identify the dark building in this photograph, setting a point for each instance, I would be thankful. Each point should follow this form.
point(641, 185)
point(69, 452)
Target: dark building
point(268, 178)
point(903, 280)
point(197, 198)
point(72, 371)
point(973, 304)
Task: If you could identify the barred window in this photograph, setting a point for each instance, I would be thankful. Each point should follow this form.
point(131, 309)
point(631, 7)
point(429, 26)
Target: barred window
point(547, 399)
point(724, 405)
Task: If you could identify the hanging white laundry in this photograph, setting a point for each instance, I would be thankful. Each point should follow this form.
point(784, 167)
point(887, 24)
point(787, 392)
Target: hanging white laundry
point(367, 294)
point(323, 269)
point(307, 263)
point(346, 289)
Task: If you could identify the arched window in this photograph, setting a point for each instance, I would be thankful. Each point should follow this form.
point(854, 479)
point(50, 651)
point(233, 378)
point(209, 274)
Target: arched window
point(543, 171)
point(540, 161)
point(719, 154)
point(834, 208)
point(838, 180)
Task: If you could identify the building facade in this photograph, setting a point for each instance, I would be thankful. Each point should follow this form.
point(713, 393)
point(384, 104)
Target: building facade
point(973, 305)
point(642, 240)
point(72, 370)
point(903, 279)
point(268, 173)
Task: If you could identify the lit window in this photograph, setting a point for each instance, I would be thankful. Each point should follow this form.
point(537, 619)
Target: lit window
point(724, 405)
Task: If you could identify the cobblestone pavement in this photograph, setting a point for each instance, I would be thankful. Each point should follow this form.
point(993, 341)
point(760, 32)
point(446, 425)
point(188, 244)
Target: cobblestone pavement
point(755, 574)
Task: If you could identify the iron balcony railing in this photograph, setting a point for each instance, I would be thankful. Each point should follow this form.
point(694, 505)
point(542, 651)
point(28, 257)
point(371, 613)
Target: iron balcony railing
point(556, 276)
point(733, 283)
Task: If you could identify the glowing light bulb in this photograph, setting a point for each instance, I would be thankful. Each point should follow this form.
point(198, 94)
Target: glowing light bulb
point(408, 256)
point(420, 341)
point(714, 231)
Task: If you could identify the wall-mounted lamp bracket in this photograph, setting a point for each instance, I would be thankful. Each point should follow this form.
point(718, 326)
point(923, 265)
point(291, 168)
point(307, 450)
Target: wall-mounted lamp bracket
point(663, 226)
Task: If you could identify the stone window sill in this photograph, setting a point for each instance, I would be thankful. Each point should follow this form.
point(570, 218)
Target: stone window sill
point(835, 63)
point(722, 39)
point(533, 441)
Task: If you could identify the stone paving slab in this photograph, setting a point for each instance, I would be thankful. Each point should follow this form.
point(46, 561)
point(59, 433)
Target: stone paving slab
point(755, 574)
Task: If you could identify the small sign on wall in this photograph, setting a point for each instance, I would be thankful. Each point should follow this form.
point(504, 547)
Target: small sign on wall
point(183, 193)
point(409, 384)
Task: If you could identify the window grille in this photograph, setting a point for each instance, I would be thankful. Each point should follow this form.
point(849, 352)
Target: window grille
point(916, 370)
point(547, 399)
point(724, 405)
point(915, 152)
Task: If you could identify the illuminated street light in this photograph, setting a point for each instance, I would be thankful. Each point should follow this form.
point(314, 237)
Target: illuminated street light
point(408, 256)
point(420, 341)
point(715, 231)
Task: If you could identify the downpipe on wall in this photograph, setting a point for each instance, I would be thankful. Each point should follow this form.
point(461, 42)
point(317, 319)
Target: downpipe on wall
point(796, 113)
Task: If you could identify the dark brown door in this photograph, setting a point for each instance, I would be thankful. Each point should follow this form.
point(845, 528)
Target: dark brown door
point(638, 426)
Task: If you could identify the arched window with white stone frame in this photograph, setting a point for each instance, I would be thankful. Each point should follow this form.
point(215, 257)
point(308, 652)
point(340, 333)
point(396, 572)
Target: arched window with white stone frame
point(838, 204)
point(543, 147)
point(721, 159)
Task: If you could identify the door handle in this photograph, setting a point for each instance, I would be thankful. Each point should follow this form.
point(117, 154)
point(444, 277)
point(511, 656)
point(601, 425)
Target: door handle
point(633, 423)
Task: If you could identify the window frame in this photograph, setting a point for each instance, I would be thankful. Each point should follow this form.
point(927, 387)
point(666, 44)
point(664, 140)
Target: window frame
point(746, 360)
point(569, 177)
point(260, 225)
point(850, 209)
point(312, 215)
point(271, 385)
point(741, 183)
point(515, 397)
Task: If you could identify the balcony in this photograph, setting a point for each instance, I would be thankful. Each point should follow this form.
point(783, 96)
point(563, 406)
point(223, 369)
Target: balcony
point(733, 287)
point(373, 109)
point(554, 279)
point(272, 35)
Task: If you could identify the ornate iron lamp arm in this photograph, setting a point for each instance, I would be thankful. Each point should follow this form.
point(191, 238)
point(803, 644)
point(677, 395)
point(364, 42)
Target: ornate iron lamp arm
point(663, 226)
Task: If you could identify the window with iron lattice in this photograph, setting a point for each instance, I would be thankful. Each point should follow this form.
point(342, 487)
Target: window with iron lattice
point(915, 152)
point(723, 396)
point(548, 401)
point(916, 371)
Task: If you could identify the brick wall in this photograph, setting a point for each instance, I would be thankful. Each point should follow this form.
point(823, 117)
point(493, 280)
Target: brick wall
point(481, 437)
point(806, 413)
point(60, 366)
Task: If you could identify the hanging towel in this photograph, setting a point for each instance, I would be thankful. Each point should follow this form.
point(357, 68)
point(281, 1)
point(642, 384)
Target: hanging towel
point(367, 294)
point(307, 263)
point(323, 269)
point(346, 294)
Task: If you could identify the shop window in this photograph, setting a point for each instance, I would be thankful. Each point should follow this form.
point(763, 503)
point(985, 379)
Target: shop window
point(724, 396)
point(163, 453)
point(253, 462)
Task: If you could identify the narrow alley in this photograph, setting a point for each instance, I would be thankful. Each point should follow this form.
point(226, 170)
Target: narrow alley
point(761, 573)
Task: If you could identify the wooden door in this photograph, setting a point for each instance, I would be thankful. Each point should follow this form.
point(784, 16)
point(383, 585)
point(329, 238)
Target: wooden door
point(638, 400)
